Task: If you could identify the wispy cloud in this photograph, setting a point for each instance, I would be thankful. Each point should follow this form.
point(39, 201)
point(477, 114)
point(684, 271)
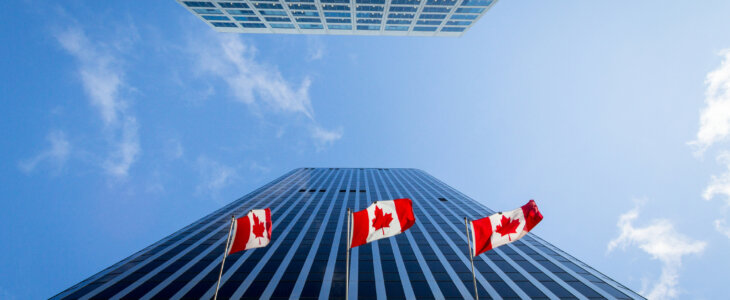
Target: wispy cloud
point(714, 128)
point(660, 240)
point(230, 59)
point(174, 149)
point(324, 138)
point(214, 176)
point(715, 117)
point(101, 74)
point(315, 48)
point(257, 84)
point(721, 226)
point(57, 153)
point(719, 186)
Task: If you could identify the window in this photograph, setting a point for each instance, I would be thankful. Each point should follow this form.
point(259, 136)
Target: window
point(368, 21)
point(268, 6)
point(216, 18)
point(407, 2)
point(401, 16)
point(424, 28)
point(396, 28)
point(403, 8)
point(473, 10)
point(340, 27)
point(277, 19)
point(432, 16)
point(209, 11)
point(476, 3)
point(311, 26)
point(198, 4)
point(460, 23)
point(337, 14)
point(240, 12)
point(368, 27)
point(436, 9)
point(272, 12)
point(303, 6)
point(223, 24)
point(309, 20)
point(335, 7)
point(334, 20)
point(399, 22)
point(252, 18)
point(305, 13)
point(464, 17)
point(369, 8)
point(429, 22)
point(370, 15)
point(233, 5)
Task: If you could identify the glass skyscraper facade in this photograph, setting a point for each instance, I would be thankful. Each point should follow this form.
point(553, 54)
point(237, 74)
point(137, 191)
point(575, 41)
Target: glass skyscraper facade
point(306, 256)
point(354, 17)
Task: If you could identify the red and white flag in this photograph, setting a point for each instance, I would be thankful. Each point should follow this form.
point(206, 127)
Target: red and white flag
point(251, 231)
point(502, 228)
point(381, 219)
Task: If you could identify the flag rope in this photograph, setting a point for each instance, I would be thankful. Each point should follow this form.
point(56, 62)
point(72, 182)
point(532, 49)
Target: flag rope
point(347, 263)
point(225, 254)
point(471, 257)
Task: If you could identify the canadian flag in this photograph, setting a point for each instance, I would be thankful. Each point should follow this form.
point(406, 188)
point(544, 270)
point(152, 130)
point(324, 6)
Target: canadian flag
point(502, 228)
point(251, 231)
point(381, 219)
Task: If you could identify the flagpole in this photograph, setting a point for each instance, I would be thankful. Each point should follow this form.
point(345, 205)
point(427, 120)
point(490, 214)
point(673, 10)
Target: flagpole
point(471, 256)
point(225, 254)
point(347, 267)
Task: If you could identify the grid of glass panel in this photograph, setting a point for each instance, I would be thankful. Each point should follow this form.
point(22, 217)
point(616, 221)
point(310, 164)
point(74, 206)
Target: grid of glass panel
point(368, 17)
point(306, 256)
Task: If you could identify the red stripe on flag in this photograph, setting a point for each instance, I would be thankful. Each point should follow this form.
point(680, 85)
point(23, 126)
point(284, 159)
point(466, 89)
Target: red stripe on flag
point(482, 235)
point(404, 210)
point(532, 215)
point(243, 232)
point(360, 228)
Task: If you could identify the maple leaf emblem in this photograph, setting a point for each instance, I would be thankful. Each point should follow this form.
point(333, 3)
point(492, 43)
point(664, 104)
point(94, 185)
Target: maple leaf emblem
point(258, 228)
point(506, 227)
point(381, 220)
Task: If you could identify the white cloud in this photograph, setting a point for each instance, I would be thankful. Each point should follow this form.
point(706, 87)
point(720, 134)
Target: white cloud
point(260, 86)
point(103, 79)
point(174, 149)
point(721, 226)
point(324, 138)
point(715, 117)
point(228, 58)
point(315, 48)
point(660, 240)
point(214, 176)
point(720, 185)
point(57, 153)
point(126, 149)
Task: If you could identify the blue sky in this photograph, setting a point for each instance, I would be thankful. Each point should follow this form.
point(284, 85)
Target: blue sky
point(123, 121)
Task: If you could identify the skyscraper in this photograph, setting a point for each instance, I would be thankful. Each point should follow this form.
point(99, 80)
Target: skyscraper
point(354, 17)
point(306, 255)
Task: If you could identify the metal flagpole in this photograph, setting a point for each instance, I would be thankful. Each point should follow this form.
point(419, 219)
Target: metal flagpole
point(471, 256)
point(347, 263)
point(225, 254)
